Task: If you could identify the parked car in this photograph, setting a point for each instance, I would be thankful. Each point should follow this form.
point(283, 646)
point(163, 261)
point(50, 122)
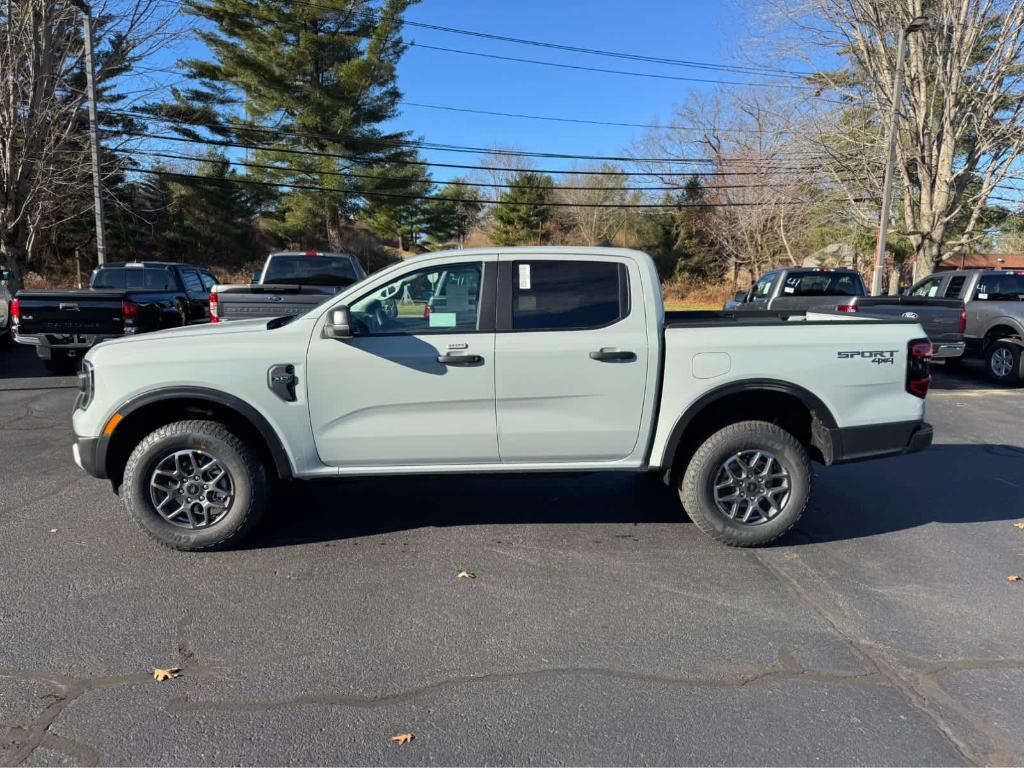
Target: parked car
point(123, 299)
point(843, 290)
point(994, 315)
point(290, 283)
point(539, 360)
point(5, 309)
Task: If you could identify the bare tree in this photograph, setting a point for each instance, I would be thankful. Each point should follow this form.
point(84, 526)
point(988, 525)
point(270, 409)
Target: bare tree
point(582, 193)
point(42, 142)
point(962, 127)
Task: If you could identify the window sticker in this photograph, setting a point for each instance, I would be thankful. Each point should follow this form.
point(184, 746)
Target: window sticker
point(792, 280)
point(524, 277)
point(789, 289)
point(982, 296)
point(442, 319)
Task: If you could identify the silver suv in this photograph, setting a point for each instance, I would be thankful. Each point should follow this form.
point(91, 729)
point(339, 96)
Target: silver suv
point(994, 300)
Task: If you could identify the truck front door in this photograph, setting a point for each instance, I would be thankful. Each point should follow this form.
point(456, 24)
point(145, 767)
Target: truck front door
point(571, 359)
point(415, 383)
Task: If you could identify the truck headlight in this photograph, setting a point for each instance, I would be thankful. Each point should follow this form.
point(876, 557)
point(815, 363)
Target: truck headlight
point(86, 386)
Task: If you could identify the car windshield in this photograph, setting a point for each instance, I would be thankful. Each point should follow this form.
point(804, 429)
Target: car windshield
point(336, 271)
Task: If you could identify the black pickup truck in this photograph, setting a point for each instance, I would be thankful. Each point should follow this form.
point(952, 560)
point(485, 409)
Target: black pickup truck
point(122, 299)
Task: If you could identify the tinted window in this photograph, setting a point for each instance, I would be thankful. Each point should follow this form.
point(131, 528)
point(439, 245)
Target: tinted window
point(1001, 287)
point(956, 284)
point(823, 284)
point(208, 281)
point(565, 295)
point(442, 299)
point(192, 282)
point(108, 278)
point(311, 270)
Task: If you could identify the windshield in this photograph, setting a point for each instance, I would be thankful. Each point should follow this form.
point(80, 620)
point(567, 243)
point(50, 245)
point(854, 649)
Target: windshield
point(335, 271)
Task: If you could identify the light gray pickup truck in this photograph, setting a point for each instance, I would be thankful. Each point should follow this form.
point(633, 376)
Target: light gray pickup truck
point(994, 315)
point(520, 360)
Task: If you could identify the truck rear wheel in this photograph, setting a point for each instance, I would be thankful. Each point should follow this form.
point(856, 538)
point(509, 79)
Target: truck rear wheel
point(747, 484)
point(195, 485)
point(1002, 362)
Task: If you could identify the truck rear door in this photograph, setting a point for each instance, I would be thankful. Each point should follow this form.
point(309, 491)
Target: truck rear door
point(571, 358)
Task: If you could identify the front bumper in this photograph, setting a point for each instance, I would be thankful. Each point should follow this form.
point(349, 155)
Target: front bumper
point(90, 454)
point(946, 350)
point(872, 441)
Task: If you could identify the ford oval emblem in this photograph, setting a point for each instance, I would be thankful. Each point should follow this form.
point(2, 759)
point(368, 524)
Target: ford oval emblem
point(281, 298)
point(910, 315)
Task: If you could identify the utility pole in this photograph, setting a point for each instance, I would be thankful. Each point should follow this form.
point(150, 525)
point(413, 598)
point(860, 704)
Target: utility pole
point(94, 137)
point(890, 161)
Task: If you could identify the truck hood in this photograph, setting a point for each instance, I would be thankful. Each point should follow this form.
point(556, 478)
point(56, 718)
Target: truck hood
point(193, 332)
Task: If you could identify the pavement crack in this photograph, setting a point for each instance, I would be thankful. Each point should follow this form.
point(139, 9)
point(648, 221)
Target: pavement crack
point(782, 671)
point(920, 686)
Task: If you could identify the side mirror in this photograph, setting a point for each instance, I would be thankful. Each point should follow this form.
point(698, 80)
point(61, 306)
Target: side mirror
point(256, 276)
point(339, 324)
point(740, 296)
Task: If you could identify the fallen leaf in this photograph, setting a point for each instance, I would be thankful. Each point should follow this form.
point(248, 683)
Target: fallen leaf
point(1018, 525)
point(165, 674)
point(402, 738)
point(465, 575)
point(1013, 578)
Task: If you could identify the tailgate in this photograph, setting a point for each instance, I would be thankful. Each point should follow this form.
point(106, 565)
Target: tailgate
point(246, 305)
point(71, 312)
point(940, 318)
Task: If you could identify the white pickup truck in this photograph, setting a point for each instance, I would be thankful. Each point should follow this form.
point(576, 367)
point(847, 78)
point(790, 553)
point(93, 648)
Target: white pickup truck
point(511, 360)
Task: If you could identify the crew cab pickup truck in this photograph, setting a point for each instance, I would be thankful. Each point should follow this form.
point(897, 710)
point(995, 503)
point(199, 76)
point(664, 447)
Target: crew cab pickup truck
point(842, 290)
point(994, 315)
point(530, 360)
point(290, 283)
point(123, 299)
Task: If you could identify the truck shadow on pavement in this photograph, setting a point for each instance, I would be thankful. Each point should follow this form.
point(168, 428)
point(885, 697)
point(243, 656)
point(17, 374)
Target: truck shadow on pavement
point(962, 483)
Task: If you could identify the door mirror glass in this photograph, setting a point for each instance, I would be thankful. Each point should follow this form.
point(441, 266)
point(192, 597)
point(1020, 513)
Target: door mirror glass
point(339, 324)
point(256, 276)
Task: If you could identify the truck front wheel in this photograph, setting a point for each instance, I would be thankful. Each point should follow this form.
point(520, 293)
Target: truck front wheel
point(195, 485)
point(747, 484)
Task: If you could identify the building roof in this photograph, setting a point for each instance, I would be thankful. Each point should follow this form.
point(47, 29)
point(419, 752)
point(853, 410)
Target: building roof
point(982, 261)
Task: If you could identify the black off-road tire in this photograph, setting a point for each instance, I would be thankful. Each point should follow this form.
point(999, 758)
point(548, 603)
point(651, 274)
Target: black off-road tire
point(697, 493)
point(247, 472)
point(1007, 351)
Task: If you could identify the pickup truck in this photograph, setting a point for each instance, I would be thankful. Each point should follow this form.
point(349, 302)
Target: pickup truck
point(843, 290)
point(6, 335)
point(290, 283)
point(530, 360)
point(994, 315)
point(123, 299)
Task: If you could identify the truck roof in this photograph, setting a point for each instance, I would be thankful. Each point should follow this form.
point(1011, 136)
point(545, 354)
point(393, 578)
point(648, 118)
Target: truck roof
point(143, 264)
point(540, 250)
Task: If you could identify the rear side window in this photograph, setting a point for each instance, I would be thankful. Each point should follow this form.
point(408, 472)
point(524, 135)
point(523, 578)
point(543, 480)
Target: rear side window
point(1006, 287)
point(956, 284)
point(208, 281)
point(192, 283)
point(568, 295)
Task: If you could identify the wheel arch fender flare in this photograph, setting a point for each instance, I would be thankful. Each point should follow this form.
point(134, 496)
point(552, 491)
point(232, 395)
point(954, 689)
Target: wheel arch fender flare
point(244, 410)
point(813, 403)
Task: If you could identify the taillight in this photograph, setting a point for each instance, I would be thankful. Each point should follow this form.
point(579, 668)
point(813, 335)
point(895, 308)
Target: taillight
point(129, 311)
point(214, 308)
point(15, 311)
point(847, 308)
point(963, 319)
point(919, 375)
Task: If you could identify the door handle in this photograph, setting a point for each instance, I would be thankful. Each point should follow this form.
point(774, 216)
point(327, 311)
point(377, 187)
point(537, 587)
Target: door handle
point(459, 359)
point(609, 355)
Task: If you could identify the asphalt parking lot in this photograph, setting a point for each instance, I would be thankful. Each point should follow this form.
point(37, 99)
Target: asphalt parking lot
point(599, 628)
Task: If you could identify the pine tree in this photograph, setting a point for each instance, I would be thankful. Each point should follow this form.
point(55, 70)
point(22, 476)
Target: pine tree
point(453, 213)
point(314, 77)
point(524, 210)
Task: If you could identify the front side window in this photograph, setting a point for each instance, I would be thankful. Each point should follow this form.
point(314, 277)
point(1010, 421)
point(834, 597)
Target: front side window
point(441, 299)
point(928, 289)
point(763, 288)
point(567, 295)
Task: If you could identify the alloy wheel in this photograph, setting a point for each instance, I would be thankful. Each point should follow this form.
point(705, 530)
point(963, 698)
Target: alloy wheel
point(751, 487)
point(191, 489)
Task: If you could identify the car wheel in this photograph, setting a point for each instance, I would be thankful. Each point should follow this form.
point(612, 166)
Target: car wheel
point(1002, 361)
point(60, 364)
point(747, 484)
point(195, 485)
